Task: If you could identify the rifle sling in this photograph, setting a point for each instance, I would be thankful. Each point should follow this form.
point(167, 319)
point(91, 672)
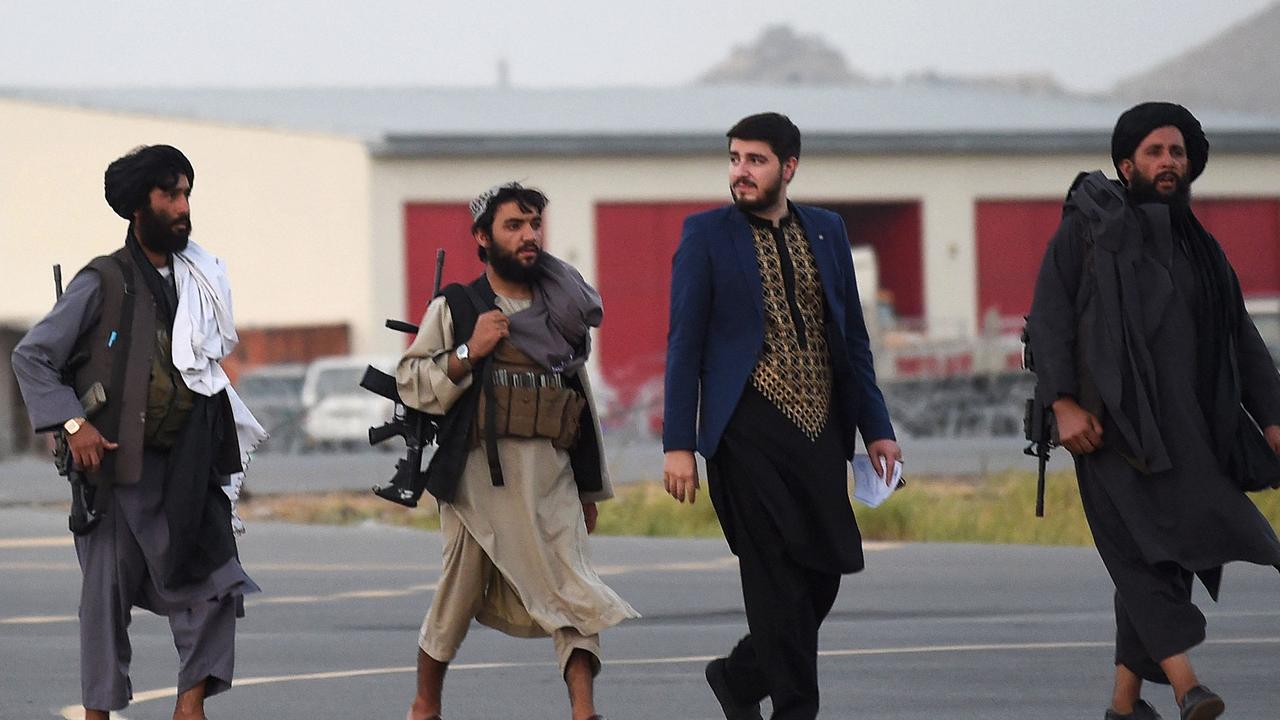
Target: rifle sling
point(119, 360)
point(485, 372)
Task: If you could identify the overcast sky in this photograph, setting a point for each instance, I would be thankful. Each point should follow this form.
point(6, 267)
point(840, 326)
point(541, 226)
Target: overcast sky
point(1087, 44)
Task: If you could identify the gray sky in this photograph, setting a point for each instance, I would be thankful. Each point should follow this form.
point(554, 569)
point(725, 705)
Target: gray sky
point(1086, 44)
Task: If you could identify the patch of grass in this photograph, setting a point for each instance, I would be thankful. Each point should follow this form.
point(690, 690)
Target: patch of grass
point(338, 508)
point(646, 509)
point(996, 509)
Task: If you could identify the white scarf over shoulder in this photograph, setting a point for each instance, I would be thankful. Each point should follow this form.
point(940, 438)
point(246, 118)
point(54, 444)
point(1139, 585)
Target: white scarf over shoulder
point(204, 332)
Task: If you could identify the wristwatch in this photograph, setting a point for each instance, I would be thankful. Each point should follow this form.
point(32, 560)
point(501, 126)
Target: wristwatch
point(73, 425)
point(463, 353)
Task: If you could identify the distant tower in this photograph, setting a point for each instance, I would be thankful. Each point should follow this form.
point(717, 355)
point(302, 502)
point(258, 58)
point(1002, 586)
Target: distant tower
point(504, 73)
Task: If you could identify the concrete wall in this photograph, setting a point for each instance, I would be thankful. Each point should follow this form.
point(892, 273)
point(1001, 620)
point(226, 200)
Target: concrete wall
point(288, 212)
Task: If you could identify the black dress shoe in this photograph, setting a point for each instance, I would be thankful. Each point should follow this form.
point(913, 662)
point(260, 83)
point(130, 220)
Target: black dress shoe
point(1142, 710)
point(733, 710)
point(1201, 703)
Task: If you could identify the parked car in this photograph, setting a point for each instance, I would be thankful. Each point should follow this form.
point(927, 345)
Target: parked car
point(339, 412)
point(274, 395)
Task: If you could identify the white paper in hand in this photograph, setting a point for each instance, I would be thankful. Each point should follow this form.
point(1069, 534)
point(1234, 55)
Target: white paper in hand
point(869, 487)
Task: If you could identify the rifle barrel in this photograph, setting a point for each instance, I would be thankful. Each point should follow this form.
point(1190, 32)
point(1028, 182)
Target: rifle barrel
point(435, 286)
point(1044, 459)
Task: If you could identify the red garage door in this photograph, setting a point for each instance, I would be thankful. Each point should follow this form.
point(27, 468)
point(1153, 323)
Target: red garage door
point(634, 246)
point(1249, 231)
point(1012, 236)
point(428, 227)
point(893, 230)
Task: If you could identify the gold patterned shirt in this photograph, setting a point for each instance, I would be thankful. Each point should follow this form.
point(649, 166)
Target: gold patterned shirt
point(794, 369)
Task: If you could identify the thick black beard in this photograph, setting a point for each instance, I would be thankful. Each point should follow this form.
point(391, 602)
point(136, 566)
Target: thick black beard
point(509, 267)
point(158, 236)
point(1142, 190)
point(768, 199)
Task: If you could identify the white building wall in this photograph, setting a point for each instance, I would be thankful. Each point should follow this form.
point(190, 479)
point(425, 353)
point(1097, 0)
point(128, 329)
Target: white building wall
point(288, 212)
point(947, 186)
point(313, 229)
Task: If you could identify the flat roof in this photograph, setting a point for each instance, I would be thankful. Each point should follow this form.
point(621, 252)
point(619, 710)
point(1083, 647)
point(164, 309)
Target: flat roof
point(916, 117)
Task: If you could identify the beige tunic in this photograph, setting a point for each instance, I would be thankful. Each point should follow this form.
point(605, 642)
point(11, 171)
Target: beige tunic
point(531, 528)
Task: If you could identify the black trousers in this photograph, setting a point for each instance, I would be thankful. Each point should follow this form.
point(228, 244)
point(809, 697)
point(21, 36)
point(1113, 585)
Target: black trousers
point(782, 499)
point(1155, 617)
point(786, 603)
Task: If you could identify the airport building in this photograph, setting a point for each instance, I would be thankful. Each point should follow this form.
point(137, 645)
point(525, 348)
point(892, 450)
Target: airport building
point(329, 204)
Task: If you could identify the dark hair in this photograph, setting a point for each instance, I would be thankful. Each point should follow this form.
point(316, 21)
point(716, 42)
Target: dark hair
point(528, 199)
point(129, 180)
point(774, 128)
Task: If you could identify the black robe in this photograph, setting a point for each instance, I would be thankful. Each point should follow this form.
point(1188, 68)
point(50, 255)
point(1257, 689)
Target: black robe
point(1178, 501)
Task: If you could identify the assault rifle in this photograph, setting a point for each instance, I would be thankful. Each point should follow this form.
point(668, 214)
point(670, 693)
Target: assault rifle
point(416, 427)
point(83, 516)
point(1038, 425)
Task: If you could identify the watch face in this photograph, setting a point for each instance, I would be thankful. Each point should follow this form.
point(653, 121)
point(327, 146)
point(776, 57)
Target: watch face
point(463, 352)
point(71, 426)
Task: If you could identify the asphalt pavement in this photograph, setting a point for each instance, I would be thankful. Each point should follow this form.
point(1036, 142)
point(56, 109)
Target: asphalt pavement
point(927, 631)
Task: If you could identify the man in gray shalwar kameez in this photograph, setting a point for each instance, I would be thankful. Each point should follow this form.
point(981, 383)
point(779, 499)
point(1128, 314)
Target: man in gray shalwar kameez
point(156, 454)
point(1165, 394)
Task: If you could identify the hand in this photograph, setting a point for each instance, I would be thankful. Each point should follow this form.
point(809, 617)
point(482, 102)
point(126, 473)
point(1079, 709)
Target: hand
point(490, 328)
point(680, 475)
point(1078, 429)
point(88, 446)
point(589, 513)
point(885, 453)
point(1272, 433)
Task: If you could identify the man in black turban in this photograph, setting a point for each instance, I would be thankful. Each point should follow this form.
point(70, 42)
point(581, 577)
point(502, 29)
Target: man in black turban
point(154, 455)
point(129, 183)
point(1164, 393)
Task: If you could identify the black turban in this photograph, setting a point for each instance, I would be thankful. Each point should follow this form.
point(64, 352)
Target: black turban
point(129, 180)
point(1137, 123)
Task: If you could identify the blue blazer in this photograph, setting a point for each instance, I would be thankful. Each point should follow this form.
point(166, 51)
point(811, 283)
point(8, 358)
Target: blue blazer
point(716, 329)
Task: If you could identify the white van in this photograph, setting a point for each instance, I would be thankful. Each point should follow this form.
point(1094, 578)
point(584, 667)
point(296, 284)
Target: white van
point(338, 411)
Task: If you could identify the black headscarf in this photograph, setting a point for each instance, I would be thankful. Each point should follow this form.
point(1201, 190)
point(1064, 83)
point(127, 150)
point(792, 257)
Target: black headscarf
point(1137, 123)
point(129, 180)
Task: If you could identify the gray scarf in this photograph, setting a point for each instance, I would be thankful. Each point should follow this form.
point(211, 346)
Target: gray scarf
point(555, 329)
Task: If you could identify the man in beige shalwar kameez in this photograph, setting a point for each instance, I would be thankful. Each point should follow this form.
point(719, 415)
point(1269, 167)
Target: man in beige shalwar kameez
point(519, 466)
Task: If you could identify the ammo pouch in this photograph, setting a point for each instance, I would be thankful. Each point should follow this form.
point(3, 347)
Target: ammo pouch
point(169, 400)
point(529, 402)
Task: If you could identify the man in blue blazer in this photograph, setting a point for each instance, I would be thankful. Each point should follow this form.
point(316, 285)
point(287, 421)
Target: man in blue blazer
point(769, 375)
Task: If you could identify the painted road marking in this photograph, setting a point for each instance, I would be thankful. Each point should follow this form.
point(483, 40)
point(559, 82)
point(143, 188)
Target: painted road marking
point(170, 692)
point(36, 619)
point(75, 712)
point(56, 566)
point(35, 542)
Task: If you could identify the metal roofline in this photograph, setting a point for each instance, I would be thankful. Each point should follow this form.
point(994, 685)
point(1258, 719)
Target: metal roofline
point(905, 143)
